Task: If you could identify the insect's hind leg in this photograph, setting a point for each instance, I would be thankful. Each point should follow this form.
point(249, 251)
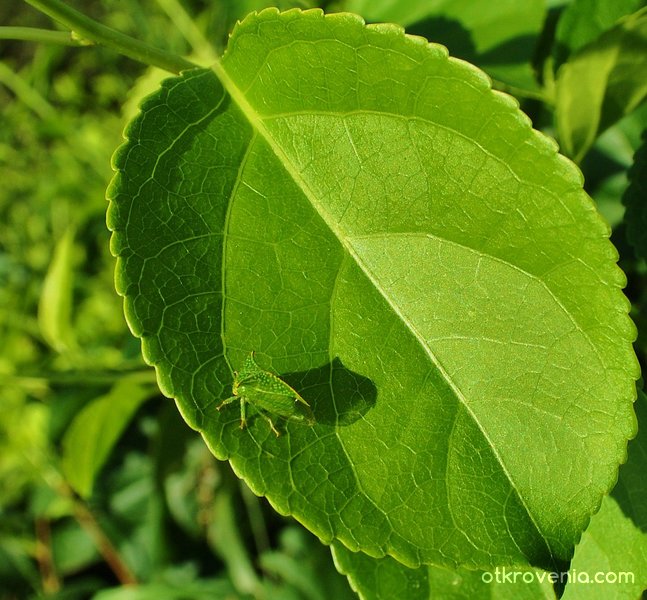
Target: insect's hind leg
point(274, 429)
point(243, 414)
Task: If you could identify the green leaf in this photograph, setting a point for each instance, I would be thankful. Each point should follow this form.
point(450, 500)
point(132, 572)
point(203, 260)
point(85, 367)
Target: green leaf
point(385, 578)
point(635, 199)
point(397, 244)
point(615, 543)
point(499, 37)
point(614, 547)
point(602, 82)
point(605, 170)
point(584, 20)
point(94, 432)
point(55, 304)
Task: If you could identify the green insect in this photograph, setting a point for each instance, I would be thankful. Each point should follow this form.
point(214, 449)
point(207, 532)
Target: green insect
point(267, 393)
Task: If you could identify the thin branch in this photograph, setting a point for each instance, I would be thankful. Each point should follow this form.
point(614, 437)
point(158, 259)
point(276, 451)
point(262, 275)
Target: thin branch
point(86, 519)
point(27, 94)
point(86, 28)
point(256, 519)
point(104, 545)
point(43, 36)
point(51, 583)
point(189, 30)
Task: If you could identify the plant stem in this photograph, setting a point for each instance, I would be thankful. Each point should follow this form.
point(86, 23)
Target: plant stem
point(56, 482)
point(225, 537)
point(44, 36)
point(256, 519)
point(89, 29)
point(189, 30)
point(104, 545)
point(51, 583)
point(27, 95)
point(518, 91)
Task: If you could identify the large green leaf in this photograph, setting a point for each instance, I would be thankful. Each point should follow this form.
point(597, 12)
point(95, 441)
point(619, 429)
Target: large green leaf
point(601, 83)
point(392, 238)
point(500, 37)
point(614, 546)
point(610, 560)
point(385, 579)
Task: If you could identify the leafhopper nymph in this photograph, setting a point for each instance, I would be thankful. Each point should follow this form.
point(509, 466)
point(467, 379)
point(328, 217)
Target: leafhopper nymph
point(268, 393)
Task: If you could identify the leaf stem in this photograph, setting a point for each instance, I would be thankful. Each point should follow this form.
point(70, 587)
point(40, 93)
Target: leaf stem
point(56, 482)
point(50, 581)
point(225, 537)
point(27, 95)
point(256, 519)
point(44, 36)
point(189, 30)
point(88, 29)
point(518, 91)
point(103, 544)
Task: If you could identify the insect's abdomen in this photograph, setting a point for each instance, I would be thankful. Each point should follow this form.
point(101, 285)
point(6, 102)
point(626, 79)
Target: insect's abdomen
point(277, 402)
point(270, 394)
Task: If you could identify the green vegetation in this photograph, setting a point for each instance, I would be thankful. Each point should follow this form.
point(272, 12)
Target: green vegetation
point(395, 236)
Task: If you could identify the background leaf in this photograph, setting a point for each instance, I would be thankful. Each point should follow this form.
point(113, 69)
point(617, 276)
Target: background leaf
point(606, 166)
point(307, 565)
point(585, 20)
point(55, 305)
point(499, 37)
point(396, 242)
point(95, 430)
point(635, 200)
point(602, 82)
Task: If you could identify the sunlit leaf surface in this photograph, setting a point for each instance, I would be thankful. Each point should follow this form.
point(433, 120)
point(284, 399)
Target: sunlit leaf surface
point(396, 243)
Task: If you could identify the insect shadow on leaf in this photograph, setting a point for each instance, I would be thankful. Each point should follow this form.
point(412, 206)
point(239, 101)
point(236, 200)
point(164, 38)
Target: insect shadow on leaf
point(338, 395)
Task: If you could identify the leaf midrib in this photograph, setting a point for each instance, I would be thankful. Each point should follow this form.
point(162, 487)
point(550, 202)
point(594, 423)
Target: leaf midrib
point(256, 121)
point(480, 253)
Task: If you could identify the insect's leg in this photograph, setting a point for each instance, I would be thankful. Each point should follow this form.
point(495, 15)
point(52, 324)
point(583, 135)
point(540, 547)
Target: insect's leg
point(274, 429)
point(243, 410)
point(227, 401)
